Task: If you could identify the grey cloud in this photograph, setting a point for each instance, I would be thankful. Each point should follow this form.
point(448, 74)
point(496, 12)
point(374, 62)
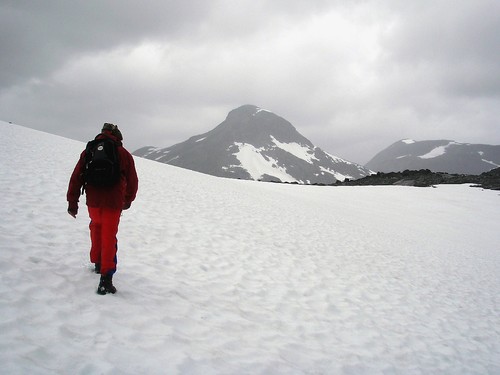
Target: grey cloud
point(456, 42)
point(37, 37)
point(353, 77)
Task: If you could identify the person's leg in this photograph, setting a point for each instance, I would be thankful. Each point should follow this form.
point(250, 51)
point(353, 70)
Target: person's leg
point(95, 234)
point(109, 244)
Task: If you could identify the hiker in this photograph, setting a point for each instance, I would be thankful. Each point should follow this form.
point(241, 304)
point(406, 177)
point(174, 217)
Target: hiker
point(109, 190)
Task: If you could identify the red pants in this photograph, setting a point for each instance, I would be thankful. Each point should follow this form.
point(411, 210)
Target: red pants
point(103, 229)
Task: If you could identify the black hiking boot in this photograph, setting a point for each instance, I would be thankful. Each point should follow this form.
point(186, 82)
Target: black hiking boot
point(106, 285)
point(97, 268)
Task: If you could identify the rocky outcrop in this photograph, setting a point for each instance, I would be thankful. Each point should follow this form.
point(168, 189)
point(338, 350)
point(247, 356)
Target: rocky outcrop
point(425, 177)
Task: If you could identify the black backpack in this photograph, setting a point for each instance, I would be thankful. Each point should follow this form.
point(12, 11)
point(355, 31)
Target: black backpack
point(102, 164)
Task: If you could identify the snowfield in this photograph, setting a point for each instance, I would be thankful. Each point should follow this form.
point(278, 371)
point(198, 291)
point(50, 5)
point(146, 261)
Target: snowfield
point(222, 276)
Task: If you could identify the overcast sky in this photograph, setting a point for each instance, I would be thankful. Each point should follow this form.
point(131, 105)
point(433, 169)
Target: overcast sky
point(352, 76)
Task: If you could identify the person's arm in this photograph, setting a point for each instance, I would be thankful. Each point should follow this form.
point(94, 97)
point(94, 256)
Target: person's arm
point(75, 186)
point(132, 182)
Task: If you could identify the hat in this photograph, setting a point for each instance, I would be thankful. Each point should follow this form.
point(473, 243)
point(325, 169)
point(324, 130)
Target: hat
point(108, 126)
point(113, 129)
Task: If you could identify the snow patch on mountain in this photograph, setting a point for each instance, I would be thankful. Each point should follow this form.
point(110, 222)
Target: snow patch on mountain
point(151, 150)
point(434, 153)
point(408, 141)
point(491, 162)
point(257, 165)
point(481, 153)
point(258, 110)
point(437, 151)
point(161, 155)
point(337, 175)
point(337, 159)
point(296, 149)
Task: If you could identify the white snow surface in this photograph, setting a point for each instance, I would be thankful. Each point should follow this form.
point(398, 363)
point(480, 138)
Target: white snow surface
point(223, 276)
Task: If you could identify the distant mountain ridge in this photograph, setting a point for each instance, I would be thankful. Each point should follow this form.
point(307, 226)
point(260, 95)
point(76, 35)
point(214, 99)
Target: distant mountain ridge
point(438, 156)
point(256, 144)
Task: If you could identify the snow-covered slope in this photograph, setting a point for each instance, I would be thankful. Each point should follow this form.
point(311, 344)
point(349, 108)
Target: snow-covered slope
point(222, 276)
point(256, 144)
point(437, 156)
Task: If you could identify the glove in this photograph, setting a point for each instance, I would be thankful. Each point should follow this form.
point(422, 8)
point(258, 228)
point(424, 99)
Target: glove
point(126, 205)
point(73, 208)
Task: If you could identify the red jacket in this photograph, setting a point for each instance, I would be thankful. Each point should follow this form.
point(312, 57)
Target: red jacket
point(114, 197)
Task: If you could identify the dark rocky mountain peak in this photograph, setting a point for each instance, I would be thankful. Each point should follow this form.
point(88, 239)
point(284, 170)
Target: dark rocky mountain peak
point(256, 144)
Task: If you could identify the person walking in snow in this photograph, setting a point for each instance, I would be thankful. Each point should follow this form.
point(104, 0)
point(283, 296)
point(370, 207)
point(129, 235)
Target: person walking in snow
point(109, 190)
